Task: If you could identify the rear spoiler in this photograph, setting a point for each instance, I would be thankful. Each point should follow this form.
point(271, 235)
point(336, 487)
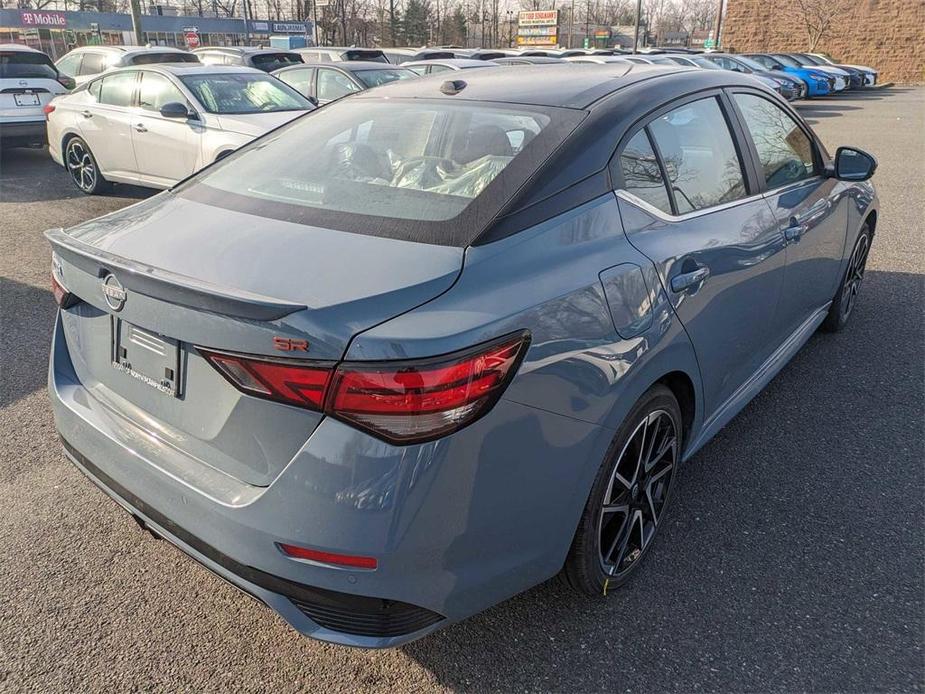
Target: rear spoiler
point(169, 286)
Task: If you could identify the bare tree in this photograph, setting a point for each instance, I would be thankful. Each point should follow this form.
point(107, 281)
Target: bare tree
point(817, 16)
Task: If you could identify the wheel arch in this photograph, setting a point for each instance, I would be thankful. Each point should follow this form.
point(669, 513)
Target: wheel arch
point(67, 137)
point(682, 386)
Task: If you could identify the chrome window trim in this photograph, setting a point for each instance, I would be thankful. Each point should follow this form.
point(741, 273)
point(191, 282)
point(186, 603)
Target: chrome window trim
point(673, 219)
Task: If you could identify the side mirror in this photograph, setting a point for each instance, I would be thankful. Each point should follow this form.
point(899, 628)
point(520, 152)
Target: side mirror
point(853, 164)
point(313, 100)
point(176, 110)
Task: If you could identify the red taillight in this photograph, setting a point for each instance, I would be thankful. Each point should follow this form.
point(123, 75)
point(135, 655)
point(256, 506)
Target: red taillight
point(346, 560)
point(63, 297)
point(48, 108)
point(417, 401)
point(400, 401)
point(283, 380)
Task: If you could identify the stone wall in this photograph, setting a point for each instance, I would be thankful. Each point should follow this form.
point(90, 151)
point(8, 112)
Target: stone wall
point(888, 35)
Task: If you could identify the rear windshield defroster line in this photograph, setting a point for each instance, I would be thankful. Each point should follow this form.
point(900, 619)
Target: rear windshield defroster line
point(239, 185)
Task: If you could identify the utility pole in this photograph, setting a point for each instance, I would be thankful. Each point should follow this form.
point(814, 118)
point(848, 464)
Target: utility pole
point(136, 22)
point(719, 22)
point(571, 23)
point(636, 30)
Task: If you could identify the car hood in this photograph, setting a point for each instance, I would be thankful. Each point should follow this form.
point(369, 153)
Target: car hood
point(255, 124)
point(829, 69)
point(862, 68)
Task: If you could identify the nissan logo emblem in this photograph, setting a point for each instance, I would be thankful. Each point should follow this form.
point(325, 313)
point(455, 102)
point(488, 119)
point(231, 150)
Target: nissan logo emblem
point(113, 292)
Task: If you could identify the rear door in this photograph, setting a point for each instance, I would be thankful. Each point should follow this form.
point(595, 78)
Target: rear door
point(807, 207)
point(107, 125)
point(166, 149)
point(689, 201)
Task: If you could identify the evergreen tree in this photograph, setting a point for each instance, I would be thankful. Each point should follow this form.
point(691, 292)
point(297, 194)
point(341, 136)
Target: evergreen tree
point(416, 22)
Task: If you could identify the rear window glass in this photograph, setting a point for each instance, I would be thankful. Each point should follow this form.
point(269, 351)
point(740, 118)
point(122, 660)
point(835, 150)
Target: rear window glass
point(21, 64)
point(373, 56)
point(370, 165)
point(273, 61)
point(244, 93)
point(168, 57)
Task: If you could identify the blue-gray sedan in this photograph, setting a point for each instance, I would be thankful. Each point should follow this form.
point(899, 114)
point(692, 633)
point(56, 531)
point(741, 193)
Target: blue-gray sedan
point(431, 344)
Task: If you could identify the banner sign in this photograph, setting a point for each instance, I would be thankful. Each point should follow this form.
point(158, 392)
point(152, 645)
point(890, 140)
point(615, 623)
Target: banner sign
point(43, 19)
point(537, 40)
point(538, 18)
point(537, 31)
point(288, 28)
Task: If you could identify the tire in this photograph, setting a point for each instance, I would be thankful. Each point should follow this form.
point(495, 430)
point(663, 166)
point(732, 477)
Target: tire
point(82, 167)
point(845, 298)
point(653, 427)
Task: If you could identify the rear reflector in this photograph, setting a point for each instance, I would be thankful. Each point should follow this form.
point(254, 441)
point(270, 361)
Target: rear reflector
point(401, 402)
point(346, 560)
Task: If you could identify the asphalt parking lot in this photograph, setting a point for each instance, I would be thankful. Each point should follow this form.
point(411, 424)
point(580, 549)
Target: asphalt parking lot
point(794, 559)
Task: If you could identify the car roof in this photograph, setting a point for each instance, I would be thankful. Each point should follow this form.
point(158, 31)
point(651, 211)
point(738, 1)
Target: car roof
point(180, 69)
point(18, 47)
point(457, 62)
point(242, 50)
point(567, 85)
point(346, 65)
point(533, 59)
point(130, 49)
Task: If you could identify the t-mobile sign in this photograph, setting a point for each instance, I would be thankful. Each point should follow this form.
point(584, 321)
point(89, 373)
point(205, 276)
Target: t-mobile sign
point(43, 19)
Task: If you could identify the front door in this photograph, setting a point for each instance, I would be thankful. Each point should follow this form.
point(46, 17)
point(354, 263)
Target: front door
point(716, 245)
point(167, 149)
point(806, 204)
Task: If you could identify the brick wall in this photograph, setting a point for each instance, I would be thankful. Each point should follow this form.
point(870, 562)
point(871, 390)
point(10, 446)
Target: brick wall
point(888, 35)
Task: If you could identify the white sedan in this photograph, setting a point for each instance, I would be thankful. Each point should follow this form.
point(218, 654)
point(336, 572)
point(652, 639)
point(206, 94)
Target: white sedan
point(155, 125)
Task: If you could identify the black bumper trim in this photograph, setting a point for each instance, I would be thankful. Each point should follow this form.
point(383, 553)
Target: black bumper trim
point(351, 614)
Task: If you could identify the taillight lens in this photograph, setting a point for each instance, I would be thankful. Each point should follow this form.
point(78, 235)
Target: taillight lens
point(417, 401)
point(402, 402)
point(63, 297)
point(48, 108)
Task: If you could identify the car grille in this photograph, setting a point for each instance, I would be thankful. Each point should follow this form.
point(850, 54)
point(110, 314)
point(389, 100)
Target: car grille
point(386, 618)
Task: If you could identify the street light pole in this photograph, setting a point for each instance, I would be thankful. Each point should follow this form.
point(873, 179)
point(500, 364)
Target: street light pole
point(636, 30)
point(136, 21)
point(719, 22)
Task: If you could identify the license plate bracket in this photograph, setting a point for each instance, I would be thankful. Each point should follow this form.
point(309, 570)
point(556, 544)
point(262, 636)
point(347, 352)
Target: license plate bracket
point(147, 356)
point(27, 99)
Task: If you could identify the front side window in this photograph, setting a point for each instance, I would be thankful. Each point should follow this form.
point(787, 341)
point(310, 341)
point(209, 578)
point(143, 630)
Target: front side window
point(92, 64)
point(374, 78)
point(157, 91)
point(699, 156)
point(117, 89)
point(333, 85)
point(785, 151)
point(244, 93)
point(300, 80)
point(641, 173)
point(69, 65)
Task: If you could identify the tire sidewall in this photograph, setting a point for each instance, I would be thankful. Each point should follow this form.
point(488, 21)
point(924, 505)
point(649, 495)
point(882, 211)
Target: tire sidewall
point(583, 567)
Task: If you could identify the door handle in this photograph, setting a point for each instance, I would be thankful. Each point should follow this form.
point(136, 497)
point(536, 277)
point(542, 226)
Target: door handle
point(686, 280)
point(86, 114)
point(139, 127)
point(795, 231)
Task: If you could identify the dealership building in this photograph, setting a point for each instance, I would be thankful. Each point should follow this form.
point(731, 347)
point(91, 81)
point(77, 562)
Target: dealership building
point(56, 33)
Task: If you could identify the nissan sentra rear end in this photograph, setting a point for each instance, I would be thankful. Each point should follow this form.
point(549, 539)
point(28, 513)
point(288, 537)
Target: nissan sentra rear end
point(202, 375)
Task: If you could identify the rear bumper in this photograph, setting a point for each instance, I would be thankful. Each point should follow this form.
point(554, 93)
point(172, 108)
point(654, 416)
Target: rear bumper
point(430, 513)
point(23, 133)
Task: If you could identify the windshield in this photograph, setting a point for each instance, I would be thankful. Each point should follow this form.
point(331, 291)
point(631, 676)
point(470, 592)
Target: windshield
point(244, 93)
point(813, 60)
point(787, 60)
point(391, 167)
point(23, 64)
point(268, 62)
point(374, 78)
point(751, 64)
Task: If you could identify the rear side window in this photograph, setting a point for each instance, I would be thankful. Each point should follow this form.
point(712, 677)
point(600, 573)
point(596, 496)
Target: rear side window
point(23, 64)
point(699, 156)
point(785, 151)
point(117, 89)
point(642, 175)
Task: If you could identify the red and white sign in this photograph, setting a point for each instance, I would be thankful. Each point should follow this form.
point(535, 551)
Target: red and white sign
point(538, 18)
point(32, 18)
point(192, 39)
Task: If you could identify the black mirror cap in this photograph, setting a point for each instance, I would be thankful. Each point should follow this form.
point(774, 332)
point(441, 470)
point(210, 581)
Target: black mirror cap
point(175, 109)
point(852, 164)
point(313, 100)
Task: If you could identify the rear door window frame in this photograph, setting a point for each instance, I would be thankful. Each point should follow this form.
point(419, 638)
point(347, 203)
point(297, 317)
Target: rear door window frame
point(752, 175)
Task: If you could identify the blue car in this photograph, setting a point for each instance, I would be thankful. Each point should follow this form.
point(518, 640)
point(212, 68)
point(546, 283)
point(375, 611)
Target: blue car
point(818, 83)
point(460, 344)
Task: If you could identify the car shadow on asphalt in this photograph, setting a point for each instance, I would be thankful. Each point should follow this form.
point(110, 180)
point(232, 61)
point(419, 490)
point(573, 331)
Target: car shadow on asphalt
point(27, 315)
point(25, 177)
point(775, 564)
point(834, 106)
